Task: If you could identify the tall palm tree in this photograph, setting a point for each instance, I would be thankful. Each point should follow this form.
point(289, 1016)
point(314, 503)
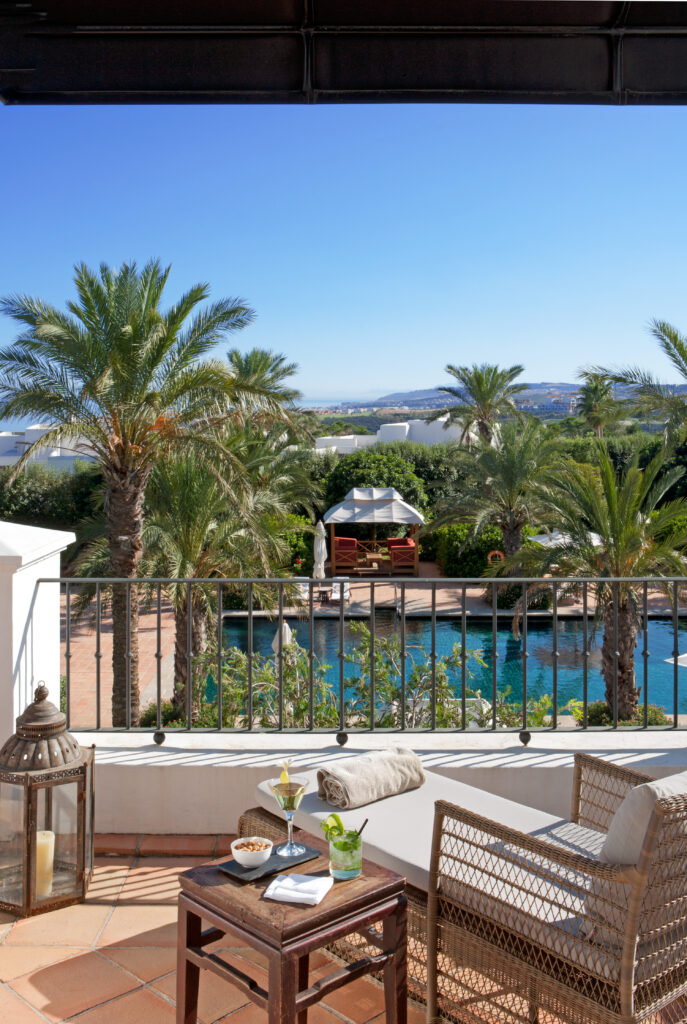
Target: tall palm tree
point(127, 383)
point(636, 536)
point(502, 482)
point(597, 405)
point(650, 395)
point(260, 371)
point(191, 531)
point(485, 393)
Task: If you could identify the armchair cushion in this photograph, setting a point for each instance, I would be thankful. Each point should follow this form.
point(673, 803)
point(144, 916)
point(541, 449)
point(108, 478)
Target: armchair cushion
point(346, 543)
point(630, 822)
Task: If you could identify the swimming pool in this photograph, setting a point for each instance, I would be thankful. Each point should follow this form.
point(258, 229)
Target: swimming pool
point(540, 672)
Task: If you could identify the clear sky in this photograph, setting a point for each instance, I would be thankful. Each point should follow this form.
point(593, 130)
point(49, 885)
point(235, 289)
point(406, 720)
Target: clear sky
point(376, 243)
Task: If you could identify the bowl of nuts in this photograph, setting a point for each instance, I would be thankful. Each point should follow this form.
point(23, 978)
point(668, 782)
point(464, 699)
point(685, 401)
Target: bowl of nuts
point(251, 851)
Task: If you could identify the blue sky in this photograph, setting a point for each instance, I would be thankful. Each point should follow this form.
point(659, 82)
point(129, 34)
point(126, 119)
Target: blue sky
point(377, 243)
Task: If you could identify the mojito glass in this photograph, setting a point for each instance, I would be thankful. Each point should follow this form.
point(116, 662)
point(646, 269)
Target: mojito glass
point(346, 856)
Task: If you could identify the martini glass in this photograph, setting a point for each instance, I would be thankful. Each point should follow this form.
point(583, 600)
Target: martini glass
point(289, 795)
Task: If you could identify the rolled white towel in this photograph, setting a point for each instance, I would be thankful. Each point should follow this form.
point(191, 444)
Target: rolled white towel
point(361, 780)
point(307, 889)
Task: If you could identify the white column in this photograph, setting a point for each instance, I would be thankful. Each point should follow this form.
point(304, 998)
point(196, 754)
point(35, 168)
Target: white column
point(29, 617)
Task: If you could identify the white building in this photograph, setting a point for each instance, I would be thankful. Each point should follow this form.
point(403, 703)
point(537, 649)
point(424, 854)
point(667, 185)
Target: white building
point(13, 444)
point(410, 430)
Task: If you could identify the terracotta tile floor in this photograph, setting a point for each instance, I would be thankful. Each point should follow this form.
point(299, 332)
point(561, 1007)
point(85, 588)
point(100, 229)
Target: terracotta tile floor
point(111, 960)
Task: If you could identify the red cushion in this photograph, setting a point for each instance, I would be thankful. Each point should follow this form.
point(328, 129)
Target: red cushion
point(345, 542)
point(400, 542)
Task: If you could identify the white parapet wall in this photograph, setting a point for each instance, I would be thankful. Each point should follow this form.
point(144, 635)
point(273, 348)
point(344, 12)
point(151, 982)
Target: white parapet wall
point(29, 617)
point(201, 784)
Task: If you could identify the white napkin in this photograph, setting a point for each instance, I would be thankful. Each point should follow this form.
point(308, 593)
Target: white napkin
point(309, 889)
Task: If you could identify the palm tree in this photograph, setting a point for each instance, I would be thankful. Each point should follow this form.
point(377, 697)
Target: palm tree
point(597, 404)
point(502, 482)
point(635, 536)
point(260, 371)
point(192, 532)
point(485, 394)
point(125, 381)
point(652, 397)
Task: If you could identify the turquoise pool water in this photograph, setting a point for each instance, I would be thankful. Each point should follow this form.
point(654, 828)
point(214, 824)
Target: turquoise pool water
point(509, 650)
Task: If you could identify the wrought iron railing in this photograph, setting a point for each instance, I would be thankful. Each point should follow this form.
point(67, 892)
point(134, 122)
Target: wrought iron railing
point(376, 654)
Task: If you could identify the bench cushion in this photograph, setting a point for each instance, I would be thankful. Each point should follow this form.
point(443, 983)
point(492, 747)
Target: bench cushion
point(398, 835)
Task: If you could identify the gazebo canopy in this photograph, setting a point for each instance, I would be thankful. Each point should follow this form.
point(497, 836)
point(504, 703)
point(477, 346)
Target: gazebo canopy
point(373, 505)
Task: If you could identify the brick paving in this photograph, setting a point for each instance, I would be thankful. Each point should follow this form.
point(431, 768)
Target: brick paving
point(111, 960)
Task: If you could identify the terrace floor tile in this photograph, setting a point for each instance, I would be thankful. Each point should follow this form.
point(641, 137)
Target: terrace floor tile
point(79, 925)
point(18, 960)
point(139, 1007)
point(76, 984)
point(147, 963)
point(216, 997)
point(14, 1010)
point(139, 925)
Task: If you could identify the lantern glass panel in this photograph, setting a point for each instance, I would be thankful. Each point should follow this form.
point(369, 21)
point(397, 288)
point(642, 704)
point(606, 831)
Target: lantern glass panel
point(56, 862)
point(12, 817)
point(89, 813)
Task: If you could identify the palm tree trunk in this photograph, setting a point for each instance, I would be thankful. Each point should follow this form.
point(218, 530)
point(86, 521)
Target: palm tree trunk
point(628, 694)
point(512, 543)
point(199, 643)
point(124, 515)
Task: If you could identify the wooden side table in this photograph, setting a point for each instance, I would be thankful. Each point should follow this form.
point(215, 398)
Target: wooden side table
point(286, 934)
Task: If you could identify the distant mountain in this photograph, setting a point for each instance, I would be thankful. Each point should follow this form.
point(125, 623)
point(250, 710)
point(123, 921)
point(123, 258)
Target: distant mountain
point(429, 398)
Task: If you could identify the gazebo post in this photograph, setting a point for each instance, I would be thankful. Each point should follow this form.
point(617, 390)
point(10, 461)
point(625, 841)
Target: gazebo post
point(415, 534)
point(332, 549)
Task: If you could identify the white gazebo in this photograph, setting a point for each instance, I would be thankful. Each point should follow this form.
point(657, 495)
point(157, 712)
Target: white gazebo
point(373, 505)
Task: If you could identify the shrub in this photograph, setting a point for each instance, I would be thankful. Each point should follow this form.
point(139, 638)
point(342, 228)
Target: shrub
point(599, 713)
point(42, 496)
point(457, 552)
point(371, 467)
point(508, 594)
point(300, 538)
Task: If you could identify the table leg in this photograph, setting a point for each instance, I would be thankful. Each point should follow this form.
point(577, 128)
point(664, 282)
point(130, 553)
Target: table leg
point(395, 978)
point(188, 934)
point(303, 974)
point(282, 981)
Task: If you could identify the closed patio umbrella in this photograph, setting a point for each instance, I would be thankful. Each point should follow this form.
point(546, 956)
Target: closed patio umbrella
point(320, 552)
point(286, 637)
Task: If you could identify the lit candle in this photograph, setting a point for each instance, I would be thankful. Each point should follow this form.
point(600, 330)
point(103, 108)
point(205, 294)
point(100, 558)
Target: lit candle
point(45, 855)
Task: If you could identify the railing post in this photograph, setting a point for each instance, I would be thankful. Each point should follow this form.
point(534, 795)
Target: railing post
point(29, 617)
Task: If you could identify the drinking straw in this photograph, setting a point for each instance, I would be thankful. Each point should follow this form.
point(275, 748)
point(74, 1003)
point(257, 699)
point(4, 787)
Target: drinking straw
point(359, 832)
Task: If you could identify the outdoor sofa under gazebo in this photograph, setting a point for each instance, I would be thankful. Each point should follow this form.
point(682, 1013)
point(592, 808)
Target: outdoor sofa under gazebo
point(350, 556)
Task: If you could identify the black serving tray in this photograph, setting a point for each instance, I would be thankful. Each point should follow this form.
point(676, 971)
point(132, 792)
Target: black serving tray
point(274, 865)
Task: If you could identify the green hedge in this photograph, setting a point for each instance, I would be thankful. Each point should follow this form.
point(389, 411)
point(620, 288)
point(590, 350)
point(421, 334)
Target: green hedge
point(42, 496)
point(301, 543)
point(457, 553)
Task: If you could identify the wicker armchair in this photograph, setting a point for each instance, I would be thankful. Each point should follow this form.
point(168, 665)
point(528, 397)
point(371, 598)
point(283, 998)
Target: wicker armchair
point(536, 930)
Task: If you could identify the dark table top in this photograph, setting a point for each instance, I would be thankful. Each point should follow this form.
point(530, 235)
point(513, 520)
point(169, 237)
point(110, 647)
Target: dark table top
point(243, 903)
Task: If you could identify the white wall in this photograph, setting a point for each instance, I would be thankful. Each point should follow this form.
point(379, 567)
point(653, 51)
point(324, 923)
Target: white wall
point(29, 617)
point(411, 430)
point(201, 783)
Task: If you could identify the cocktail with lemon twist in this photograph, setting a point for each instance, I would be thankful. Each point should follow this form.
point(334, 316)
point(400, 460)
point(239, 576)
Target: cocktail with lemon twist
point(288, 792)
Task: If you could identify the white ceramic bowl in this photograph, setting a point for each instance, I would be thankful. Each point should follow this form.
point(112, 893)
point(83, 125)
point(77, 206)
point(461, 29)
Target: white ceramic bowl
point(251, 858)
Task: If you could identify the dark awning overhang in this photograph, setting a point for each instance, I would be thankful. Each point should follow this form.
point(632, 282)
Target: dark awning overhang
point(334, 51)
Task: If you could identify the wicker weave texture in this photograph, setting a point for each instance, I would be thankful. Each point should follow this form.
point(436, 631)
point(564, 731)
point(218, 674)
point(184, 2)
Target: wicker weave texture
point(520, 930)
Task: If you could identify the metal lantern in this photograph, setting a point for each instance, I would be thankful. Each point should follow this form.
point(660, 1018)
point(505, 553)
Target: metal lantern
point(46, 813)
